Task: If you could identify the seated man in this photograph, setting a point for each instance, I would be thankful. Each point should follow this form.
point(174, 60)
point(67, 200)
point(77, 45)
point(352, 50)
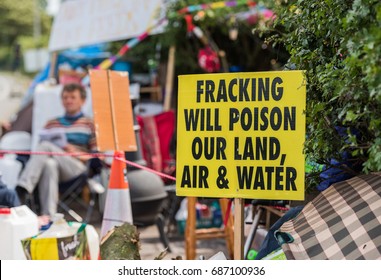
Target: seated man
point(47, 171)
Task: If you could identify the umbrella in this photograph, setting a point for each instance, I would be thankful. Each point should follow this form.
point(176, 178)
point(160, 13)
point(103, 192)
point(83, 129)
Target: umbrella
point(342, 222)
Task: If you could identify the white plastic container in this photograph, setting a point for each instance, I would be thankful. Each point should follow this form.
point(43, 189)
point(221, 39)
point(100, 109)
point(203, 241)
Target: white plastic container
point(60, 228)
point(92, 240)
point(16, 224)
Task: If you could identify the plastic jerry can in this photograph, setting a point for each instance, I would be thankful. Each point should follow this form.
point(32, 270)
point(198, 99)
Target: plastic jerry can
point(16, 224)
point(59, 228)
point(92, 240)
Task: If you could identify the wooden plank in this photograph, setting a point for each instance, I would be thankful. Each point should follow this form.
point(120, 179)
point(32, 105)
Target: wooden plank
point(112, 109)
point(101, 108)
point(155, 93)
point(169, 79)
point(208, 235)
point(209, 230)
point(53, 64)
point(125, 139)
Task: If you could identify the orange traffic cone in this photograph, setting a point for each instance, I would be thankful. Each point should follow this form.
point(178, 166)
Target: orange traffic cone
point(118, 202)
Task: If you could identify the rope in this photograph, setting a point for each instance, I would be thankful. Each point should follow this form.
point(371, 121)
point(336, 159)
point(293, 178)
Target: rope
point(98, 155)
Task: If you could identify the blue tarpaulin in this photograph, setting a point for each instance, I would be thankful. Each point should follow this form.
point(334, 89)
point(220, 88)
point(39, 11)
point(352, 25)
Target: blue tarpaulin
point(84, 57)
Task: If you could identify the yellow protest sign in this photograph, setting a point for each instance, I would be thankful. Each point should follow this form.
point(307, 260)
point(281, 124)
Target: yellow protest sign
point(241, 135)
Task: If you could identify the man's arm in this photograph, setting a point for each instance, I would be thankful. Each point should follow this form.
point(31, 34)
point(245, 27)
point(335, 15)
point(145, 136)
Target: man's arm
point(92, 145)
point(69, 148)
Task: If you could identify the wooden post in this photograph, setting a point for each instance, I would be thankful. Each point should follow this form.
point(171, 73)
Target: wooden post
point(224, 61)
point(229, 227)
point(169, 78)
point(190, 230)
point(238, 228)
point(53, 62)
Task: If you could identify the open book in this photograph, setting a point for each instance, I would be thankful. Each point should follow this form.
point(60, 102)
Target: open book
point(55, 135)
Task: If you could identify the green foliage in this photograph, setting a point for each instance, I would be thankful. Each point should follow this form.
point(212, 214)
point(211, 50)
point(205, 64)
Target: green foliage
point(16, 21)
point(248, 52)
point(28, 42)
point(338, 44)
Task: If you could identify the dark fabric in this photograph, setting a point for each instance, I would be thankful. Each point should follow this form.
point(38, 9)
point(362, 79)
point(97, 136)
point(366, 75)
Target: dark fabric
point(23, 120)
point(335, 172)
point(8, 197)
point(270, 243)
point(23, 159)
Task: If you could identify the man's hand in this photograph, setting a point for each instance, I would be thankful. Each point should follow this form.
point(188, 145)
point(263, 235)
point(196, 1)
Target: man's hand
point(69, 148)
point(6, 126)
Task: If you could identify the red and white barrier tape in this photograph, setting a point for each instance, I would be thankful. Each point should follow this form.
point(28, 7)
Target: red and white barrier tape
point(98, 155)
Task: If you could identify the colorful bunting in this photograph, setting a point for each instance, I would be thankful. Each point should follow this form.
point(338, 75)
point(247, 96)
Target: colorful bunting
point(189, 9)
point(216, 5)
point(129, 45)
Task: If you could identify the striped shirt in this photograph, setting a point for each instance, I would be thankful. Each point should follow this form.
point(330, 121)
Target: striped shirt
point(79, 130)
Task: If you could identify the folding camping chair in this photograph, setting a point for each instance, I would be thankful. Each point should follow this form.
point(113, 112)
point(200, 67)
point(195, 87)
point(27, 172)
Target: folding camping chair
point(72, 192)
point(77, 197)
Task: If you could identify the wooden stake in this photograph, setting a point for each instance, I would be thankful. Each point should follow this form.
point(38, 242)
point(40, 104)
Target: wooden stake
point(229, 227)
point(238, 228)
point(169, 80)
point(190, 230)
point(53, 63)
